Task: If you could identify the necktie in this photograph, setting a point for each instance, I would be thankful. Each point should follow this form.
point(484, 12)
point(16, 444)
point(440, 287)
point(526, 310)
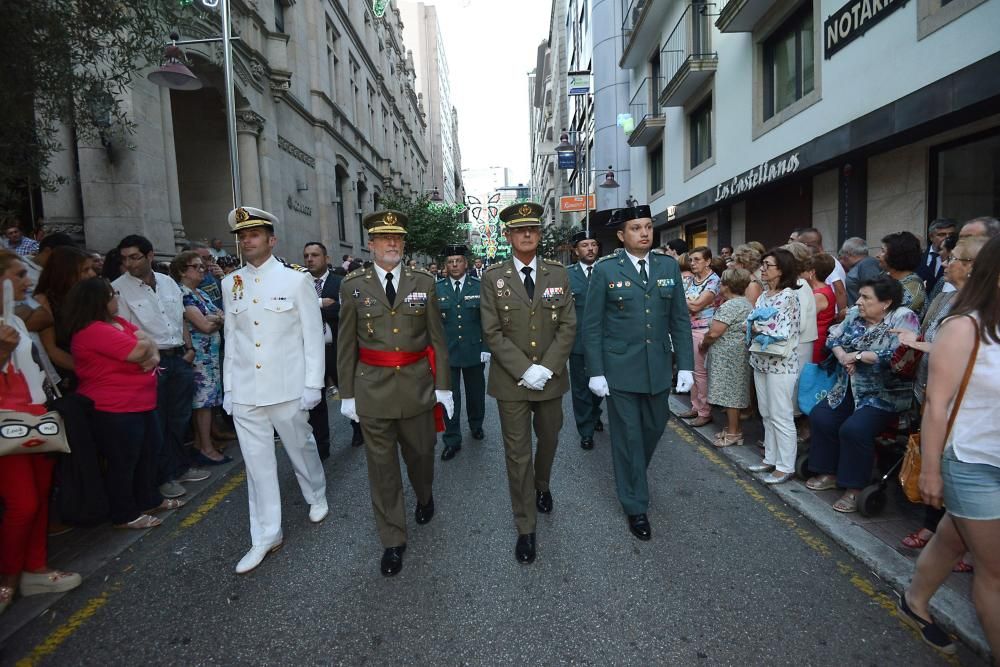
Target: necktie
point(458, 288)
point(318, 284)
point(529, 284)
point(589, 270)
point(642, 272)
point(390, 289)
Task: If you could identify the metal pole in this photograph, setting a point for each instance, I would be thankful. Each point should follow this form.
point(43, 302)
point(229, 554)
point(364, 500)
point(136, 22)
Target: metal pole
point(227, 59)
point(586, 192)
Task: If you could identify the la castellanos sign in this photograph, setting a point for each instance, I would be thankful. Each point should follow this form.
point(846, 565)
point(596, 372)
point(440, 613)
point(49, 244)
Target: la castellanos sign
point(759, 175)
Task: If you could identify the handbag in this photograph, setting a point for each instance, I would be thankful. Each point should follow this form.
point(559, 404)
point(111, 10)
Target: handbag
point(909, 471)
point(815, 383)
point(777, 348)
point(22, 429)
point(905, 361)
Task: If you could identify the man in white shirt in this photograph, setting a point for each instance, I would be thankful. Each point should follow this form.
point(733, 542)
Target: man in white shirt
point(838, 279)
point(272, 375)
point(153, 302)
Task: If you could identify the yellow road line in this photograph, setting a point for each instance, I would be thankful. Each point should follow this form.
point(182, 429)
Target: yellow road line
point(811, 539)
point(57, 637)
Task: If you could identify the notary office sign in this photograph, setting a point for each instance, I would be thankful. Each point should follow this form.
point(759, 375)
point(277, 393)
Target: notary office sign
point(853, 20)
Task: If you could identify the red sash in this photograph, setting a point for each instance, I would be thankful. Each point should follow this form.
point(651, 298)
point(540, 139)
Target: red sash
point(386, 359)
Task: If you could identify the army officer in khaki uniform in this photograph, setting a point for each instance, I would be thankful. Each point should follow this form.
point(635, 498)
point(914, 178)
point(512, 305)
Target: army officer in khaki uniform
point(392, 363)
point(529, 323)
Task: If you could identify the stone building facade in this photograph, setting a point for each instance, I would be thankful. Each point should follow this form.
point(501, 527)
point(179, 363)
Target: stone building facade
point(328, 119)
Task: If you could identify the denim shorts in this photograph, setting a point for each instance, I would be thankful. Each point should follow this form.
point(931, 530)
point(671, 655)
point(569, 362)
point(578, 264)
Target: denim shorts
point(971, 490)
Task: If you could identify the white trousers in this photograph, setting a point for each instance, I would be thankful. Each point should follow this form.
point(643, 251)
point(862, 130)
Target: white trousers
point(776, 402)
point(255, 426)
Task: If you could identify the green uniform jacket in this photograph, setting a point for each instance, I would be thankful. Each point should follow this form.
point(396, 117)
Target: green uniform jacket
point(460, 316)
point(521, 332)
point(629, 331)
point(578, 281)
point(410, 325)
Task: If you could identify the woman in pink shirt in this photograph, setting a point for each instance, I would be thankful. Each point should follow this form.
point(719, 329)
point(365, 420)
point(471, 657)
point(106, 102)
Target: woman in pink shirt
point(115, 364)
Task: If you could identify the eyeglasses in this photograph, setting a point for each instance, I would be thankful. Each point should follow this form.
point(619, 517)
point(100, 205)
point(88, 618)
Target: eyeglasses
point(768, 265)
point(198, 267)
point(958, 259)
point(133, 258)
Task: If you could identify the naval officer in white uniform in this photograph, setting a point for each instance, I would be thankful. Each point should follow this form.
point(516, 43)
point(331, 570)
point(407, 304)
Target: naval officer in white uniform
point(272, 376)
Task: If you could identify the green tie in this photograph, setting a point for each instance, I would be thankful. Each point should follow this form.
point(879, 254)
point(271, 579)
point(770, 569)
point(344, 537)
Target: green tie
point(458, 288)
point(642, 272)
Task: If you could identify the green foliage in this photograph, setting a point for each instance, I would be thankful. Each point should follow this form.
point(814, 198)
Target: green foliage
point(72, 61)
point(432, 225)
point(555, 239)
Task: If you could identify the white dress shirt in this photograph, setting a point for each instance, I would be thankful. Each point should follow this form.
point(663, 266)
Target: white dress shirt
point(518, 264)
point(635, 262)
point(396, 272)
point(460, 281)
point(159, 312)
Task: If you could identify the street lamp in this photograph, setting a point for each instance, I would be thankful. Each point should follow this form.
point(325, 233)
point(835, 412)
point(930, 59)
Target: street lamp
point(565, 146)
point(175, 75)
point(435, 195)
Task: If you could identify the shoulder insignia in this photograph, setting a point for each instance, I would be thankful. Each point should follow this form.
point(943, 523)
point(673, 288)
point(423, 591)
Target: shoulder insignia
point(606, 258)
point(473, 279)
point(491, 267)
point(294, 267)
point(442, 281)
point(552, 262)
point(354, 274)
point(424, 272)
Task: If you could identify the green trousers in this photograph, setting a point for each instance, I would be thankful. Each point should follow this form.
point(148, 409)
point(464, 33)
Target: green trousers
point(586, 405)
point(637, 422)
point(475, 398)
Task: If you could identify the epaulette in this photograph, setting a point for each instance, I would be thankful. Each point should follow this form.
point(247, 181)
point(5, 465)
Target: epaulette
point(552, 262)
point(494, 266)
point(355, 273)
point(613, 255)
point(470, 277)
point(294, 267)
point(441, 280)
point(425, 272)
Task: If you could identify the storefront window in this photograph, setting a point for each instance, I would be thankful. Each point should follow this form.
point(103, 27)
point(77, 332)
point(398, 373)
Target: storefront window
point(968, 178)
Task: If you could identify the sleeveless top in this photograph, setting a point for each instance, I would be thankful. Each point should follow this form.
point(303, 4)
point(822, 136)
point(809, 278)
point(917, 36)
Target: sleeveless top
point(975, 437)
point(807, 313)
point(823, 320)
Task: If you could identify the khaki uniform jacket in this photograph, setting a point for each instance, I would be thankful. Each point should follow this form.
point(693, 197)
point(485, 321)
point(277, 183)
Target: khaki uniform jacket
point(520, 332)
point(411, 324)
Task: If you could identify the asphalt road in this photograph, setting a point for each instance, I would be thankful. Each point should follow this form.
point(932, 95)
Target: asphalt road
point(731, 576)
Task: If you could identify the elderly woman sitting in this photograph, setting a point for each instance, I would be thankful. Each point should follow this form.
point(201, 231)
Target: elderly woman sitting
point(867, 395)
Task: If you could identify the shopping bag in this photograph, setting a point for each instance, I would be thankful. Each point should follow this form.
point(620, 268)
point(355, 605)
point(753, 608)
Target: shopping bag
point(909, 472)
point(815, 383)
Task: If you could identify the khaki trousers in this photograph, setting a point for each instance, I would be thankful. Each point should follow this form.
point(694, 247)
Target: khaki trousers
point(416, 438)
point(524, 475)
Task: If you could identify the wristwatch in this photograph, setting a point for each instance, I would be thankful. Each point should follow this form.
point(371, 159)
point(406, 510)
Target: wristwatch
point(857, 357)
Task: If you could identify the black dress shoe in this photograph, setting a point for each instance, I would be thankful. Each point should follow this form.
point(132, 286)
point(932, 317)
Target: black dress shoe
point(599, 426)
point(587, 443)
point(358, 439)
point(525, 549)
point(543, 501)
point(449, 452)
point(392, 560)
point(478, 434)
point(639, 525)
point(425, 513)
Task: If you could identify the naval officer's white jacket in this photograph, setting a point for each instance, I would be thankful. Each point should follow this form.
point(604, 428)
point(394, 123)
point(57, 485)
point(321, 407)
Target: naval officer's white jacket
point(274, 334)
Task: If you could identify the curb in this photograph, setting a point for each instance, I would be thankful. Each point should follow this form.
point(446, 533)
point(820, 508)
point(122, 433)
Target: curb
point(954, 612)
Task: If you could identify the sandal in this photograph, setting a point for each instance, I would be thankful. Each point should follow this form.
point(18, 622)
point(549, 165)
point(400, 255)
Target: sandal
point(915, 541)
point(6, 596)
point(167, 505)
point(700, 421)
point(847, 504)
point(821, 482)
point(962, 567)
point(690, 414)
point(723, 439)
point(142, 522)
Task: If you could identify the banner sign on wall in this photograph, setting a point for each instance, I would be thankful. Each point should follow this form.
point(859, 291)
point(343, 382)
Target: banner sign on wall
point(852, 21)
point(579, 83)
point(567, 159)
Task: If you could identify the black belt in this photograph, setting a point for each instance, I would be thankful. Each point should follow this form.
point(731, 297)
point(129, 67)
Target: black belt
point(172, 351)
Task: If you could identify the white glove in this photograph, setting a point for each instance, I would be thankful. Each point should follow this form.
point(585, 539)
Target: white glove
point(310, 398)
point(349, 410)
point(598, 386)
point(484, 357)
point(685, 380)
point(445, 398)
point(227, 403)
point(536, 376)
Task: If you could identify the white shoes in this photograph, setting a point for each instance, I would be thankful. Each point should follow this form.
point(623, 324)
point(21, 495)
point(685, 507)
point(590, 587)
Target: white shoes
point(318, 511)
point(255, 557)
